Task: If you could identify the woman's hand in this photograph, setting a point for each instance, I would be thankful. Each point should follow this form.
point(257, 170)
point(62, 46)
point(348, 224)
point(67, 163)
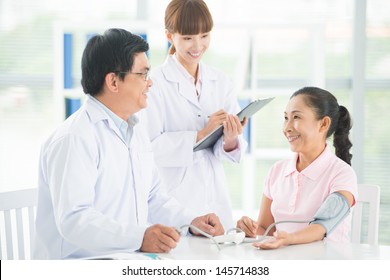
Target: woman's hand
point(281, 238)
point(248, 226)
point(232, 127)
point(214, 121)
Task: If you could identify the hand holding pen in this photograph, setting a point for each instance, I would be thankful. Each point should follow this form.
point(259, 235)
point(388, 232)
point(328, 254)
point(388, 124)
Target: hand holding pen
point(231, 123)
point(214, 121)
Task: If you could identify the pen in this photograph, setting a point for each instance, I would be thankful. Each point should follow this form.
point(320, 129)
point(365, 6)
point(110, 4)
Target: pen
point(153, 256)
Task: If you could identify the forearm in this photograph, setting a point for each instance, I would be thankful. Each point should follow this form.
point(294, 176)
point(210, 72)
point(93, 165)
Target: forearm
point(313, 232)
point(235, 155)
point(96, 232)
point(261, 230)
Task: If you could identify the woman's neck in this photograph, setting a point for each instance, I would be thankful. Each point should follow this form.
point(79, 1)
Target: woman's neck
point(305, 159)
point(192, 69)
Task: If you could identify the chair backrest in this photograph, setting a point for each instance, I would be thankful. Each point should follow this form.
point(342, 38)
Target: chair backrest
point(368, 195)
point(17, 220)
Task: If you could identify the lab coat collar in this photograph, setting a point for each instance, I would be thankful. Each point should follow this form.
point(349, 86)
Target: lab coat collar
point(97, 114)
point(172, 74)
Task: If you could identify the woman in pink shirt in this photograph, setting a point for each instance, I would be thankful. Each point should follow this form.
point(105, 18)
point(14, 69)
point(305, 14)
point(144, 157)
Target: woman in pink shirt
point(296, 188)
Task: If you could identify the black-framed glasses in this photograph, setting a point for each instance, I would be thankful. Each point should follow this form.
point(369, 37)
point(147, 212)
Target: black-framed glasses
point(146, 74)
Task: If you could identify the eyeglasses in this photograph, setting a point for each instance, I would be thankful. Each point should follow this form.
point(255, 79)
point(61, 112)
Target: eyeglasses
point(146, 74)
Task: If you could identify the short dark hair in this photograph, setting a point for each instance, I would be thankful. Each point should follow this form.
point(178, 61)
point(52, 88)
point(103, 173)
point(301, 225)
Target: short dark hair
point(324, 104)
point(113, 51)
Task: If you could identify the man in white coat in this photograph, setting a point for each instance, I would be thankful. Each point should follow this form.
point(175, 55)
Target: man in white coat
point(99, 192)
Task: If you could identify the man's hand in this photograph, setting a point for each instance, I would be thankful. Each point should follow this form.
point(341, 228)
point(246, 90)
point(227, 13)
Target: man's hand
point(208, 223)
point(159, 239)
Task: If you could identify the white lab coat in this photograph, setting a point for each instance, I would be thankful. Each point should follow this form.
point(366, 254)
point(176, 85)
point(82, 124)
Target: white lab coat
point(88, 205)
point(175, 115)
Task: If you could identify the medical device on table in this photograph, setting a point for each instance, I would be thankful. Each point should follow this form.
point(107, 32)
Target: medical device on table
point(334, 209)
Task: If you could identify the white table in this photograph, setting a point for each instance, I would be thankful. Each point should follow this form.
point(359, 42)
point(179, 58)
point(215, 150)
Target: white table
point(199, 254)
point(200, 248)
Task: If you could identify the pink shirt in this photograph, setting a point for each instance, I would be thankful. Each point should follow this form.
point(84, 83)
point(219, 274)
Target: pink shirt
point(298, 195)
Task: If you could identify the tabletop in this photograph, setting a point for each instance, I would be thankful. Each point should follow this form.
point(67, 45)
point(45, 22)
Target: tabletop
point(200, 248)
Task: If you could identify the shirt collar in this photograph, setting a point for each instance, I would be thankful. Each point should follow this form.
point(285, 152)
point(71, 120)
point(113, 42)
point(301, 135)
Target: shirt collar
point(119, 122)
point(185, 73)
point(315, 169)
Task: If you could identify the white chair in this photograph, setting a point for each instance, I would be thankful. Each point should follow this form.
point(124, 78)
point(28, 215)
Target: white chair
point(368, 195)
point(17, 220)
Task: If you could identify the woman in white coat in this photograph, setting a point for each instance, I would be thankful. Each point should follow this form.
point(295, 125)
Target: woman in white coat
point(187, 101)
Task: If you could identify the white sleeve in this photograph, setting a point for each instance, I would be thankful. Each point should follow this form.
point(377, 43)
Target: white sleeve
point(166, 209)
point(71, 175)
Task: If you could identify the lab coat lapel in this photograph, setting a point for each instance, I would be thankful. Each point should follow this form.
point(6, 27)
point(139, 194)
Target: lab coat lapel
point(208, 86)
point(172, 74)
point(187, 91)
point(97, 114)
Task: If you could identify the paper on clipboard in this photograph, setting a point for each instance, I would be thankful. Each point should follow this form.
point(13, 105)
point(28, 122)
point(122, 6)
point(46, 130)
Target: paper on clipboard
point(248, 112)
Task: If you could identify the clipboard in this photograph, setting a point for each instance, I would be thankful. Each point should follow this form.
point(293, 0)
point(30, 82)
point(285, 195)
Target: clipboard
point(248, 112)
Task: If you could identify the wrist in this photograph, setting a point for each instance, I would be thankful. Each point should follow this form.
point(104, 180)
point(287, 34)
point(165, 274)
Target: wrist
point(199, 136)
point(290, 239)
point(230, 144)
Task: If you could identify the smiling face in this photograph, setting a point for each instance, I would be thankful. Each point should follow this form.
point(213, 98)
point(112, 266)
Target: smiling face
point(304, 132)
point(190, 48)
point(133, 89)
point(128, 95)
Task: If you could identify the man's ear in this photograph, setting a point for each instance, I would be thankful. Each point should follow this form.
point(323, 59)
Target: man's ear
point(111, 81)
point(325, 123)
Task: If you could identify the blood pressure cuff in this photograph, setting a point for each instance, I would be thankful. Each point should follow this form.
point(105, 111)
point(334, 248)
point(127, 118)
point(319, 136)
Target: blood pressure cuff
point(334, 209)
